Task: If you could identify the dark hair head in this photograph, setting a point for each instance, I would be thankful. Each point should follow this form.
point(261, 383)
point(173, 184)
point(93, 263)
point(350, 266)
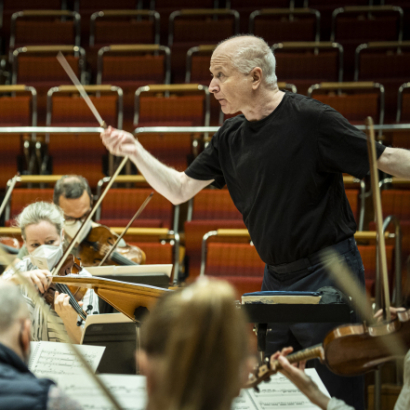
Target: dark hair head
point(71, 187)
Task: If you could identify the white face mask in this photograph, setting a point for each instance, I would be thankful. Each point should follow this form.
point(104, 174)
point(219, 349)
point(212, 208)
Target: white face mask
point(71, 230)
point(46, 256)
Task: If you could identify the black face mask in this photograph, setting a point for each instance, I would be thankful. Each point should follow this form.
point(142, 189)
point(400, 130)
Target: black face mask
point(26, 354)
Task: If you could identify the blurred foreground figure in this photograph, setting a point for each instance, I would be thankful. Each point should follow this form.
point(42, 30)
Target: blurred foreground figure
point(19, 388)
point(194, 349)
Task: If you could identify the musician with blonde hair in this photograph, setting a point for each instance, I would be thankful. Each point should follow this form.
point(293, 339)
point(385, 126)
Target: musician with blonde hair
point(194, 349)
point(41, 225)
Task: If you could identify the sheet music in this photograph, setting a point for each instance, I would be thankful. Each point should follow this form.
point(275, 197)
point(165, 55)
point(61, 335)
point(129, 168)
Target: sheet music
point(51, 358)
point(245, 401)
point(281, 394)
point(129, 390)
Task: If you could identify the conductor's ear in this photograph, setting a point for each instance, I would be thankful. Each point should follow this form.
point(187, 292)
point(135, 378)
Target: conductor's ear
point(257, 76)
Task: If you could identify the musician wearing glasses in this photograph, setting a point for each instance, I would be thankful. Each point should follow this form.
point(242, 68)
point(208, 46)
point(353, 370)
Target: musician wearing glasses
point(42, 230)
point(73, 195)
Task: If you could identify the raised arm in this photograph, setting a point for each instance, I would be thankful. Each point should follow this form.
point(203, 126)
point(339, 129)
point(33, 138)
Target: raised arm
point(395, 161)
point(176, 186)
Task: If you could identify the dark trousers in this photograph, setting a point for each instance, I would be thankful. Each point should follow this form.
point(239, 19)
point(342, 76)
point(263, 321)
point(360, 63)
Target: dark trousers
point(303, 335)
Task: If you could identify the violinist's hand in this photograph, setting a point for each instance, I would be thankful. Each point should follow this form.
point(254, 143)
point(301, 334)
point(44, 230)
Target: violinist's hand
point(40, 278)
point(120, 143)
point(68, 315)
point(393, 313)
point(284, 352)
point(302, 381)
point(63, 308)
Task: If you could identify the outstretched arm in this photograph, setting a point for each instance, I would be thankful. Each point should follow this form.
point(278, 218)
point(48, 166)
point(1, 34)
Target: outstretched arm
point(395, 161)
point(176, 186)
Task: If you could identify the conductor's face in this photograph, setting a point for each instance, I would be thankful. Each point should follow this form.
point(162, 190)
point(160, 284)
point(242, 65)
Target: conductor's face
point(230, 87)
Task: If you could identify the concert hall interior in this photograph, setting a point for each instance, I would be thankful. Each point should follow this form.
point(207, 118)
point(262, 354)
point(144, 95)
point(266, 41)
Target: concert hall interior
point(205, 204)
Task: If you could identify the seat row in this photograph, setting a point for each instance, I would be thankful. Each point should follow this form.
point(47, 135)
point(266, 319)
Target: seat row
point(81, 151)
point(213, 235)
point(189, 27)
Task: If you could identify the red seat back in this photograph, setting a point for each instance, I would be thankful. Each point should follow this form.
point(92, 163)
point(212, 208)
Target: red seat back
point(120, 204)
point(21, 197)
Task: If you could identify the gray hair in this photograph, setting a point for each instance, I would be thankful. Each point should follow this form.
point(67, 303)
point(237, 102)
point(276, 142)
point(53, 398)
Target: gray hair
point(12, 306)
point(254, 52)
point(38, 212)
point(71, 187)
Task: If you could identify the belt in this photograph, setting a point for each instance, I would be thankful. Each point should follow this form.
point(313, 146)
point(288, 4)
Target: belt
point(313, 259)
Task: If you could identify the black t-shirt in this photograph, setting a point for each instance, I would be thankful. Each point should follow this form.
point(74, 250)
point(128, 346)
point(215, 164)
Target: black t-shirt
point(284, 174)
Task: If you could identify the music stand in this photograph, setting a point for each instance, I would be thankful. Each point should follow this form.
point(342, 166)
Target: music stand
point(119, 336)
point(261, 314)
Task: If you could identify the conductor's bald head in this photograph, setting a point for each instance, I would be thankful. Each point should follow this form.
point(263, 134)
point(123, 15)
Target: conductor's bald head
point(247, 52)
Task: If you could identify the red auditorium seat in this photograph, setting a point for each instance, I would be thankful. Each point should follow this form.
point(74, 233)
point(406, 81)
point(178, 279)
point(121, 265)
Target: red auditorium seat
point(17, 108)
point(305, 63)
point(189, 28)
point(387, 63)
point(172, 105)
point(156, 253)
point(237, 263)
point(44, 27)
point(278, 25)
point(166, 7)
point(352, 26)
point(326, 7)
point(401, 139)
point(12, 6)
point(21, 197)
point(131, 67)
point(120, 205)
point(396, 201)
point(245, 8)
point(186, 105)
point(88, 7)
point(209, 210)
point(125, 27)
point(368, 254)
point(81, 153)
point(355, 101)
point(37, 66)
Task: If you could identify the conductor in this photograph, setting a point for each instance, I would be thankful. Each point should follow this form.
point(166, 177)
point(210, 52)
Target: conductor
point(282, 160)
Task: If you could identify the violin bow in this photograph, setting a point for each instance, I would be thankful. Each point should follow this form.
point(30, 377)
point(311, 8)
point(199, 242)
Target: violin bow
point(9, 192)
point(137, 214)
point(33, 294)
point(371, 147)
point(62, 60)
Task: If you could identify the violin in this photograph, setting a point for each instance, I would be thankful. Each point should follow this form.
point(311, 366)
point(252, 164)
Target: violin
point(350, 350)
point(70, 266)
point(10, 244)
point(99, 241)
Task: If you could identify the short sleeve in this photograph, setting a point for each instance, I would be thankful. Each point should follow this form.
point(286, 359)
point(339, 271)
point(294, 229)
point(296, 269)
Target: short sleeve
point(342, 147)
point(206, 165)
